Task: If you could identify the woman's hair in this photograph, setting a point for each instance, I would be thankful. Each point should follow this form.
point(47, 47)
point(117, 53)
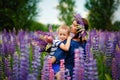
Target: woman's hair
point(85, 23)
point(64, 26)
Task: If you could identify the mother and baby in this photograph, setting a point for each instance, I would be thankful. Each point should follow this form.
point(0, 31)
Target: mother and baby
point(64, 47)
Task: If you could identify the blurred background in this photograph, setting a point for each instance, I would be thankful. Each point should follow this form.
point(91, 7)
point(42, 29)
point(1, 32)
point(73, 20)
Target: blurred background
point(24, 26)
point(34, 15)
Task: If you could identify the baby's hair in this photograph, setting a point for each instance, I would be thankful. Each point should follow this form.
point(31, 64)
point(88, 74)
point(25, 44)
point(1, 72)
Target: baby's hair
point(64, 26)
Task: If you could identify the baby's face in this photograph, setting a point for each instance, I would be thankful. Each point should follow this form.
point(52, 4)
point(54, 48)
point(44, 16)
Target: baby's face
point(63, 34)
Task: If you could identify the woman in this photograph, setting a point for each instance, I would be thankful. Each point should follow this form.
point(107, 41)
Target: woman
point(78, 28)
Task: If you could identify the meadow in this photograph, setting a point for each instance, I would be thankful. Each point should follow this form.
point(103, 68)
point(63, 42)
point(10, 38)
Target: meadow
point(21, 60)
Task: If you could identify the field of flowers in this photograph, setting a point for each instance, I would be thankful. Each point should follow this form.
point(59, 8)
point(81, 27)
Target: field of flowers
point(21, 60)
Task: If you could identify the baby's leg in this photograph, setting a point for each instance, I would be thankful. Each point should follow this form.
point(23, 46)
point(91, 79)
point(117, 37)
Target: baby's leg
point(57, 75)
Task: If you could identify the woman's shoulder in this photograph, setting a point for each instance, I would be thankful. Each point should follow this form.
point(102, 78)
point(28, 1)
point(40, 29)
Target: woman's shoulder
point(78, 42)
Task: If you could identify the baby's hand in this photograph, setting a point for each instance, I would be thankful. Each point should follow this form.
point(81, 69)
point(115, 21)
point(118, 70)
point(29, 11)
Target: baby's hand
point(48, 39)
point(69, 37)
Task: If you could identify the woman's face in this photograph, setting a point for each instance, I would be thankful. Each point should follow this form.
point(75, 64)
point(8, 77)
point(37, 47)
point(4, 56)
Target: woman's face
point(74, 27)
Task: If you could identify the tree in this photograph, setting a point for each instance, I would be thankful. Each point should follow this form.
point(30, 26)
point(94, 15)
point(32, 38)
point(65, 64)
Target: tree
point(66, 8)
point(34, 26)
point(16, 13)
point(117, 25)
point(101, 13)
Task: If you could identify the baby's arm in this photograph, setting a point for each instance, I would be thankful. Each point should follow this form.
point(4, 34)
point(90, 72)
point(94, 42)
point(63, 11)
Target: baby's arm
point(66, 46)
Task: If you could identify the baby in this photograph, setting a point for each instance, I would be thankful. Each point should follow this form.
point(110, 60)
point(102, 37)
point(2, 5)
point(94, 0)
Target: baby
point(63, 34)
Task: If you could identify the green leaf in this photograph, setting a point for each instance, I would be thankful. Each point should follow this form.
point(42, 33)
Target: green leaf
point(107, 77)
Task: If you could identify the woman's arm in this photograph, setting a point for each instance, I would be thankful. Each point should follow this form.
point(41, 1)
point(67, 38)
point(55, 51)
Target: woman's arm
point(58, 55)
point(66, 46)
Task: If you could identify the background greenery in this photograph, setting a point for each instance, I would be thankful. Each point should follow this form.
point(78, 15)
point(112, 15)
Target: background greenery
point(19, 14)
point(101, 14)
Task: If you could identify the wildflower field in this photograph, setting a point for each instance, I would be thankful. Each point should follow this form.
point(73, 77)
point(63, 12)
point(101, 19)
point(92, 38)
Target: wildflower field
point(21, 60)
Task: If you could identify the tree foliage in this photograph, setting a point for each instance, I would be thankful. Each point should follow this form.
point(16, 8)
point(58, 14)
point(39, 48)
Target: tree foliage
point(117, 25)
point(16, 13)
point(34, 26)
point(66, 8)
point(101, 13)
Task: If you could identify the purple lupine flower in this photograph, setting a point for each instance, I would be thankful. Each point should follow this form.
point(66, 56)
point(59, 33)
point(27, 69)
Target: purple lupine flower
point(36, 63)
point(78, 18)
point(79, 65)
point(91, 34)
point(16, 67)
point(9, 43)
point(12, 45)
point(90, 66)
point(102, 41)
point(114, 70)
point(118, 38)
point(117, 59)
point(51, 71)
point(91, 72)
point(50, 28)
point(24, 57)
point(37, 38)
point(45, 70)
point(7, 67)
point(95, 40)
point(1, 45)
point(87, 50)
point(114, 41)
point(31, 77)
point(109, 43)
point(109, 49)
point(14, 38)
point(62, 70)
point(20, 36)
point(4, 40)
